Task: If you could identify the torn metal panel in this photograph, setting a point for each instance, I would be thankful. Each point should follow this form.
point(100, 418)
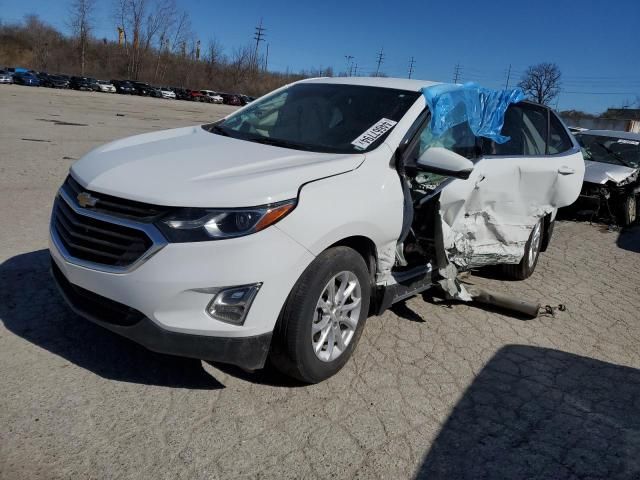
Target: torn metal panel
point(386, 260)
point(451, 285)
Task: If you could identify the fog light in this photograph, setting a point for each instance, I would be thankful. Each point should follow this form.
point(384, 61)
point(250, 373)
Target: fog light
point(232, 304)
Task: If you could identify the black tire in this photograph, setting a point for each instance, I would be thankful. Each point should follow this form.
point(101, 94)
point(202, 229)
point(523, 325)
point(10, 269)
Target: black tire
point(292, 351)
point(527, 265)
point(548, 233)
point(629, 212)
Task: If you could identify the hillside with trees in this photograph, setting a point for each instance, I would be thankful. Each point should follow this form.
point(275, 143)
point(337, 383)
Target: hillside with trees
point(156, 45)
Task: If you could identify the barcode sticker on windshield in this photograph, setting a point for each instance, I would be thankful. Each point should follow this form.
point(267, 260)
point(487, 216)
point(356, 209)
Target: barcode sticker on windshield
point(628, 142)
point(374, 133)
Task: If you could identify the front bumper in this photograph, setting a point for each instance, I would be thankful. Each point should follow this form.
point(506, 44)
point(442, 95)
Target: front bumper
point(246, 352)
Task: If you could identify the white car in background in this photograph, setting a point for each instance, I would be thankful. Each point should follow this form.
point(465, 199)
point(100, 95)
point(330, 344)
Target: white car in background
point(166, 92)
point(276, 231)
point(211, 96)
point(106, 86)
point(5, 77)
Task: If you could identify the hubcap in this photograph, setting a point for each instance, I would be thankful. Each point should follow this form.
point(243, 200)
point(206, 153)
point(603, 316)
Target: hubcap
point(536, 240)
point(336, 316)
point(632, 209)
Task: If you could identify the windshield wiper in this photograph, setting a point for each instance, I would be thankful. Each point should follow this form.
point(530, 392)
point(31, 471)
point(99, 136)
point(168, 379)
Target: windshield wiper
point(276, 142)
point(616, 155)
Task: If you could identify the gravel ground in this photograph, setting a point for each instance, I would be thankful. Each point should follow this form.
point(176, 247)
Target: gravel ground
point(433, 390)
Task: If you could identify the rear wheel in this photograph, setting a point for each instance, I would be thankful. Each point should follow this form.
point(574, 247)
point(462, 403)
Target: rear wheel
point(527, 265)
point(323, 317)
point(629, 210)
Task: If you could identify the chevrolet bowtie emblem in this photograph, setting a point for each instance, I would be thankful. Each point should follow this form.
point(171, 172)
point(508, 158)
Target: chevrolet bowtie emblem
point(86, 200)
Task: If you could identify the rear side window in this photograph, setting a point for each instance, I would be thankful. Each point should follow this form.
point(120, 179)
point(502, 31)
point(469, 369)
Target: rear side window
point(526, 127)
point(559, 140)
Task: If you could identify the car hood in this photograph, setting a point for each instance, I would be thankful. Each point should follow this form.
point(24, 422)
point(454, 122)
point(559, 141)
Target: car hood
point(191, 167)
point(601, 173)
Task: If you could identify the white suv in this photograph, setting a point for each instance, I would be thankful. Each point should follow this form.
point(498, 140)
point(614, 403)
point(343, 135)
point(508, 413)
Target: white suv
point(277, 230)
point(211, 96)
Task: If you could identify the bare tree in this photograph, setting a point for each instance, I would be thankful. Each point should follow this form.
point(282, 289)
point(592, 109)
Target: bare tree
point(81, 18)
point(43, 40)
point(541, 82)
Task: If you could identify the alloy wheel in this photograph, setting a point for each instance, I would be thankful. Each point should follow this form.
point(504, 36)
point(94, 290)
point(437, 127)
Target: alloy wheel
point(336, 316)
point(536, 242)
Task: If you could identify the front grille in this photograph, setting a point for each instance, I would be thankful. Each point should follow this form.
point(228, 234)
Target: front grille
point(119, 207)
point(93, 240)
point(95, 306)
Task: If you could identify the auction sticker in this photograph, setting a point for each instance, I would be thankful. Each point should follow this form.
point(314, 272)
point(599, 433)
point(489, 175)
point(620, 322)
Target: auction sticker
point(374, 133)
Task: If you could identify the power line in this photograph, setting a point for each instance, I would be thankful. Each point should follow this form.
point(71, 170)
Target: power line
point(601, 93)
point(380, 58)
point(411, 64)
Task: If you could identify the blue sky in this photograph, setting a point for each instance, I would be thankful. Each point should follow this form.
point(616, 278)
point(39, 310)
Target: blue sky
point(595, 43)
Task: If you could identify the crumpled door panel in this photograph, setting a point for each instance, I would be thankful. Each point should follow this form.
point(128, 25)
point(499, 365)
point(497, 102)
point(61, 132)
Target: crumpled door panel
point(487, 219)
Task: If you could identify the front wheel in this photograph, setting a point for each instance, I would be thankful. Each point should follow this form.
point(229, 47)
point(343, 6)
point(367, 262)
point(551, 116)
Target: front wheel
point(323, 317)
point(527, 265)
point(629, 210)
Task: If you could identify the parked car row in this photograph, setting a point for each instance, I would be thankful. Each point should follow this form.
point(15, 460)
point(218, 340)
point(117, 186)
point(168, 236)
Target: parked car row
point(125, 87)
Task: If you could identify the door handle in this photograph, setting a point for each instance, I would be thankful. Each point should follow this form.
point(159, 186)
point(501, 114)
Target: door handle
point(564, 170)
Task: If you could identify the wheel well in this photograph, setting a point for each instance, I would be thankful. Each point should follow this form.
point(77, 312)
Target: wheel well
point(366, 248)
point(546, 232)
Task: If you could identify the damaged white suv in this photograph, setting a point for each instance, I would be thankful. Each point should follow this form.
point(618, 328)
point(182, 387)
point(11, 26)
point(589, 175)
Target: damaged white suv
point(276, 231)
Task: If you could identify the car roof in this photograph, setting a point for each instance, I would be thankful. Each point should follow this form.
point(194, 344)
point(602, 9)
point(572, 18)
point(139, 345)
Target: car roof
point(384, 82)
point(612, 133)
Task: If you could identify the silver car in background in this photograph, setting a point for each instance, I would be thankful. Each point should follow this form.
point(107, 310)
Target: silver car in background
point(5, 77)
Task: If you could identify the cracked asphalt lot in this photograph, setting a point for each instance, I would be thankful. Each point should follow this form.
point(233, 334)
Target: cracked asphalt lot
point(433, 391)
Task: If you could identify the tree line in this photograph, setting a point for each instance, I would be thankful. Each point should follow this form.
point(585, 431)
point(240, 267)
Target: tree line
point(156, 44)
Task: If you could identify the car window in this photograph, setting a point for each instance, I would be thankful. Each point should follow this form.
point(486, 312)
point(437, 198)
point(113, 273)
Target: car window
point(337, 118)
point(559, 140)
point(526, 126)
point(610, 149)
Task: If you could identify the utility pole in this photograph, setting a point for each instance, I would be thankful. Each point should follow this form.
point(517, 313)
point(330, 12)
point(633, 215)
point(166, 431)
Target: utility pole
point(411, 64)
point(258, 36)
point(349, 59)
point(266, 59)
point(380, 59)
point(508, 77)
point(456, 73)
point(355, 70)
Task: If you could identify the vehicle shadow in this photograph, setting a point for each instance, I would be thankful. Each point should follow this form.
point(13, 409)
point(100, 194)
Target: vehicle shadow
point(32, 308)
point(538, 413)
point(629, 239)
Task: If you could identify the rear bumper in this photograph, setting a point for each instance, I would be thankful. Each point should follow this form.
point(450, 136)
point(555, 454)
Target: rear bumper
point(246, 352)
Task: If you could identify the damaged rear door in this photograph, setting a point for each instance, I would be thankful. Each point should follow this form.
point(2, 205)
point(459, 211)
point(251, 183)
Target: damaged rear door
point(487, 219)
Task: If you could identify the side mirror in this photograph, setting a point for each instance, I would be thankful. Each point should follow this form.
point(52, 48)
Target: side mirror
point(444, 162)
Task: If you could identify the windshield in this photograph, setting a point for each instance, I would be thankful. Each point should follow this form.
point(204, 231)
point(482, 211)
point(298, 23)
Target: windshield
point(320, 117)
point(618, 151)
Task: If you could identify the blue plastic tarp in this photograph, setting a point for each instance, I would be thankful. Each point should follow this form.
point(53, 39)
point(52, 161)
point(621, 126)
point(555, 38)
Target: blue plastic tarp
point(482, 108)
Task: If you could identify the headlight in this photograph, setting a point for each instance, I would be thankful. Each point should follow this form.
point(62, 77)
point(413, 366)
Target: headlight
point(202, 224)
